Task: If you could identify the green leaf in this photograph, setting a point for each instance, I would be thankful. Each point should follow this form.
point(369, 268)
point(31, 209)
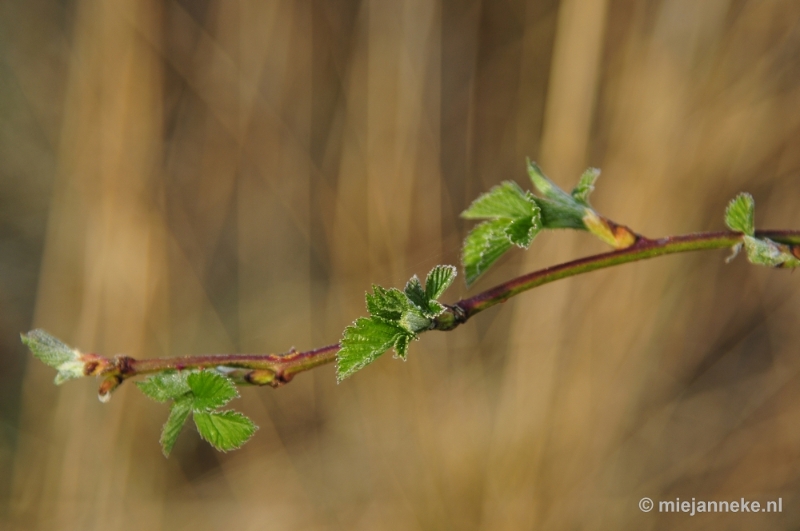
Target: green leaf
point(211, 390)
point(521, 232)
point(224, 430)
point(363, 342)
point(172, 428)
point(560, 210)
point(438, 280)
point(165, 386)
point(48, 349)
point(484, 245)
point(740, 214)
point(401, 346)
point(510, 203)
point(389, 304)
point(416, 294)
point(506, 200)
point(197, 392)
point(585, 186)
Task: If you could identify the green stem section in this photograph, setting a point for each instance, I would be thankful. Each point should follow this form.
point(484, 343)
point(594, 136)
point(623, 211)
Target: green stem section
point(278, 369)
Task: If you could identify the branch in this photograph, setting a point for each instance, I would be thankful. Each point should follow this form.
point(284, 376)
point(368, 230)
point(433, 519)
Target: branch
point(254, 369)
point(277, 369)
point(510, 217)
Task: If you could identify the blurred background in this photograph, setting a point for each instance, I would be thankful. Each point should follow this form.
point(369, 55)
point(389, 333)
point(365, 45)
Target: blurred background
point(188, 177)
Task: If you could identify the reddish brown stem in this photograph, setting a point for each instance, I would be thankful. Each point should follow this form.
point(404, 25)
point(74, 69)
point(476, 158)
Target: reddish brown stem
point(278, 369)
point(257, 369)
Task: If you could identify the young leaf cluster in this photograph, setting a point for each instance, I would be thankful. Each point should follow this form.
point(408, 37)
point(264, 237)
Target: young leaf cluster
point(200, 394)
point(740, 216)
point(395, 319)
point(514, 217)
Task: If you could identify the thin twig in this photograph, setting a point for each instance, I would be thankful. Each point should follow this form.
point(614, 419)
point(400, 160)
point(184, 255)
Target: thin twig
point(278, 369)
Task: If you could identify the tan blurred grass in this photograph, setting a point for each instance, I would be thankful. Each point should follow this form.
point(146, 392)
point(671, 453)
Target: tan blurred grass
point(221, 176)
